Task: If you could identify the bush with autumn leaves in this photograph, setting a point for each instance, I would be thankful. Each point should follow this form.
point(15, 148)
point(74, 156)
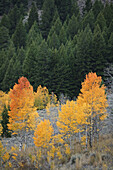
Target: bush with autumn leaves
point(77, 121)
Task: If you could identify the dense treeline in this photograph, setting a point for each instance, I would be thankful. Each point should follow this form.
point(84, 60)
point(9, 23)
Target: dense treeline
point(56, 49)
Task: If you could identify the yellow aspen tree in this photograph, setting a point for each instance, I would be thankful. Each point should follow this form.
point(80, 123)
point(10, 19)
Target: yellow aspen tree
point(41, 97)
point(21, 107)
point(43, 134)
point(67, 121)
point(94, 98)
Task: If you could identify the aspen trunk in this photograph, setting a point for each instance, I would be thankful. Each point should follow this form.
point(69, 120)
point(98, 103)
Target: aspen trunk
point(91, 133)
point(86, 137)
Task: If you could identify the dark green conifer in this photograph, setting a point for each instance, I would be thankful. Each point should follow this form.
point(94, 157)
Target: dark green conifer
point(47, 17)
point(73, 26)
point(5, 21)
point(34, 35)
point(56, 27)
point(110, 28)
point(19, 36)
point(98, 51)
point(97, 7)
point(53, 41)
point(88, 6)
point(63, 36)
point(110, 49)
point(4, 38)
point(14, 17)
point(12, 74)
point(4, 122)
point(108, 13)
point(88, 19)
point(101, 21)
point(33, 16)
point(83, 54)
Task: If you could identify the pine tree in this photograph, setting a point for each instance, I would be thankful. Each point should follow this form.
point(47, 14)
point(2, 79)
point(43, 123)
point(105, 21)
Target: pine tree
point(33, 16)
point(101, 21)
point(34, 35)
point(19, 36)
point(63, 36)
point(47, 17)
point(4, 122)
point(53, 41)
point(62, 72)
point(14, 17)
point(3, 64)
point(5, 21)
point(5, 56)
point(56, 15)
point(66, 7)
point(12, 74)
point(110, 49)
point(108, 13)
point(56, 27)
point(88, 19)
point(83, 54)
point(36, 65)
point(110, 28)
point(88, 6)
point(97, 7)
point(4, 38)
point(98, 51)
point(73, 26)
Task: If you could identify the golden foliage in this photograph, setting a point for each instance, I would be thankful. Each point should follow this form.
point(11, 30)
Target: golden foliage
point(41, 97)
point(43, 134)
point(21, 105)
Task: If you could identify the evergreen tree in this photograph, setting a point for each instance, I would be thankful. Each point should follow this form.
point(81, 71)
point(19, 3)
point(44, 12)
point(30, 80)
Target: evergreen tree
point(61, 78)
point(56, 27)
point(63, 36)
point(83, 55)
point(21, 56)
point(110, 28)
point(33, 16)
point(73, 26)
point(110, 49)
point(19, 36)
point(56, 15)
point(108, 13)
point(36, 65)
point(53, 41)
point(4, 122)
point(14, 17)
point(4, 38)
point(88, 6)
point(34, 35)
point(97, 7)
point(66, 7)
point(88, 19)
point(47, 16)
point(101, 21)
point(12, 74)
point(5, 21)
point(98, 51)
point(3, 64)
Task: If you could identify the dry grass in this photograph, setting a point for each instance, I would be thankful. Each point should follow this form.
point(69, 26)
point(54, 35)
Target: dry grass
point(99, 156)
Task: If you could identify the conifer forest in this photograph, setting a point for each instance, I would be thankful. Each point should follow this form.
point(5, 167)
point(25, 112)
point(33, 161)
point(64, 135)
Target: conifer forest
point(56, 84)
